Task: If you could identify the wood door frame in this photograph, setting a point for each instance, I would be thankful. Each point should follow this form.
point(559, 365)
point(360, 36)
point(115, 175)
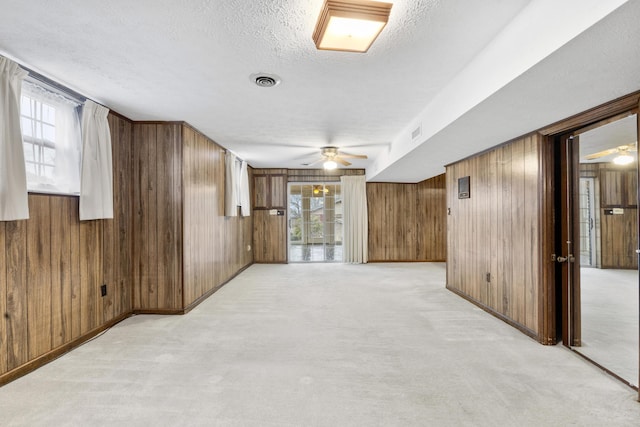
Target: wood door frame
point(567, 234)
point(610, 111)
point(549, 296)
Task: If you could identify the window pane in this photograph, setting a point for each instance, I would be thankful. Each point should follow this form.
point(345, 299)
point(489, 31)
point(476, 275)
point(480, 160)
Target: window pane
point(49, 156)
point(28, 152)
point(48, 114)
point(25, 106)
point(49, 133)
point(26, 126)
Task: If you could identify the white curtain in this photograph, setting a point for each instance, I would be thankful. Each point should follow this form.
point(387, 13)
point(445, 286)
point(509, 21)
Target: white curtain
point(65, 178)
point(96, 186)
point(230, 185)
point(355, 219)
point(245, 199)
point(13, 179)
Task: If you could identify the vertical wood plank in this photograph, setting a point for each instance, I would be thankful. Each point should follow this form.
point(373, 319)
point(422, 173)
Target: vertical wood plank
point(39, 276)
point(145, 245)
point(3, 300)
point(16, 322)
point(518, 233)
point(76, 268)
point(61, 219)
point(168, 214)
point(90, 275)
point(123, 178)
point(532, 212)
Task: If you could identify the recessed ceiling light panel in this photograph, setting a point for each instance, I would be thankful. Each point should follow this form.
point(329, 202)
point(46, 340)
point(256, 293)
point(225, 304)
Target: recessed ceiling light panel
point(350, 26)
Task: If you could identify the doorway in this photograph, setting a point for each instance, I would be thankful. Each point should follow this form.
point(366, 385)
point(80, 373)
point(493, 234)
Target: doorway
point(597, 242)
point(315, 222)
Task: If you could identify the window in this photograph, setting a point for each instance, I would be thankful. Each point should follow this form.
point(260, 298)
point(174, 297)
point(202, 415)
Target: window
point(51, 139)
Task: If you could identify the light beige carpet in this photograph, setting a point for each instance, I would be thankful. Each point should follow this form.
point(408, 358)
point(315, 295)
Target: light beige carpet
point(321, 345)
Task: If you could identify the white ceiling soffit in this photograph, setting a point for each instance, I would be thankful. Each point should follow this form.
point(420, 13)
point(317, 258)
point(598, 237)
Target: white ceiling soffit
point(479, 71)
point(589, 56)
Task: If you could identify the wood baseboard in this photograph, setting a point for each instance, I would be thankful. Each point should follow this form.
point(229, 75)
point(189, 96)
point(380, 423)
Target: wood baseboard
point(52, 355)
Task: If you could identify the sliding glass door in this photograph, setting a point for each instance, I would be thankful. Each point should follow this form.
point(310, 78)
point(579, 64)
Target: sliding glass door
point(315, 222)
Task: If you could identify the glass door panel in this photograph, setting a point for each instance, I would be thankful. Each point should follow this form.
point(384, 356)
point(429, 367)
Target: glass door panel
point(315, 222)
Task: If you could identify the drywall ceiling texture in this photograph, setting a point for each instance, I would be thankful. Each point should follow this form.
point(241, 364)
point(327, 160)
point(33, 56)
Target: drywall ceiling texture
point(191, 60)
point(456, 67)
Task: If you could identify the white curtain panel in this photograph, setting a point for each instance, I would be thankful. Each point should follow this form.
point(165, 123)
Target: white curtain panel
point(245, 196)
point(230, 185)
point(13, 178)
point(355, 219)
point(68, 140)
point(96, 186)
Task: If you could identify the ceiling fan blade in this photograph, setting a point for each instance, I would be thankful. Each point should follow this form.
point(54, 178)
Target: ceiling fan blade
point(628, 147)
point(341, 161)
point(314, 162)
point(352, 156)
point(601, 153)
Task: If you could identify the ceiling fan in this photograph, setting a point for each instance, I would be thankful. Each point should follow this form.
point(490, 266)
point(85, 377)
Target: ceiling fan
point(623, 156)
point(331, 156)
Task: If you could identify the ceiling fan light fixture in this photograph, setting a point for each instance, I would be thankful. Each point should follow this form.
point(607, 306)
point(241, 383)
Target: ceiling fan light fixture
point(350, 25)
point(330, 165)
point(623, 159)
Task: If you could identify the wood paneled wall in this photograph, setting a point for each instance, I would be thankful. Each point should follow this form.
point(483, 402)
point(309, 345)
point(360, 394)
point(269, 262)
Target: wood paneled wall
point(184, 247)
point(157, 260)
point(270, 231)
point(320, 175)
point(216, 247)
point(617, 234)
point(52, 266)
point(407, 222)
point(494, 248)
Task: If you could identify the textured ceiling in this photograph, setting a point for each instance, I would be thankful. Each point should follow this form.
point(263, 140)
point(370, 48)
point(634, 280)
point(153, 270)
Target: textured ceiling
point(191, 60)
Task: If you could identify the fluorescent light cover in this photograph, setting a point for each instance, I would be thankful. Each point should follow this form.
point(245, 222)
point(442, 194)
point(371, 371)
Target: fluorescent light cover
point(350, 34)
point(330, 165)
point(350, 26)
point(623, 159)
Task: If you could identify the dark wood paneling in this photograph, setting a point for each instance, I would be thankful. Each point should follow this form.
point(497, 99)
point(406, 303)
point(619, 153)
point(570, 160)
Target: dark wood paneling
point(145, 255)
point(169, 215)
point(3, 299)
point(407, 222)
point(270, 237)
point(278, 191)
point(619, 239)
point(16, 317)
point(215, 247)
point(611, 190)
point(118, 239)
point(431, 219)
point(38, 265)
point(392, 221)
point(320, 175)
point(261, 193)
point(61, 262)
point(52, 266)
point(270, 231)
point(493, 248)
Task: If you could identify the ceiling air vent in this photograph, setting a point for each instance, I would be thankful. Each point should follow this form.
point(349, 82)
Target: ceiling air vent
point(416, 132)
point(265, 80)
